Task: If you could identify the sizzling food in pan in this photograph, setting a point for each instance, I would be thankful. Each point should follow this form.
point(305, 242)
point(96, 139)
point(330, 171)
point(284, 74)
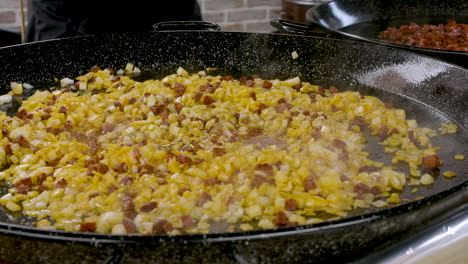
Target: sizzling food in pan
point(108, 154)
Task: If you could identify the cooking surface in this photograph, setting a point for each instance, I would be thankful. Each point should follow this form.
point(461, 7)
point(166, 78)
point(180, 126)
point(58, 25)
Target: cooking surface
point(321, 61)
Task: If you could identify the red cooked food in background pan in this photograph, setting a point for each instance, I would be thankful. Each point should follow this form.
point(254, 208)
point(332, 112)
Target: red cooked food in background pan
point(451, 36)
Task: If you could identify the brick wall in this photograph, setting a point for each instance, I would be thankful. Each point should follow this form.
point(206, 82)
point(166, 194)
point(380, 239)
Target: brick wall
point(232, 15)
point(241, 15)
point(10, 15)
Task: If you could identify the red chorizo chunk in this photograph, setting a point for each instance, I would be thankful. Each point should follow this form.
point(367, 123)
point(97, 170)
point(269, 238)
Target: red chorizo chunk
point(23, 186)
point(111, 188)
point(309, 184)
point(148, 207)
point(254, 131)
point(182, 159)
point(431, 161)
point(281, 219)
point(179, 89)
point(266, 168)
point(158, 108)
point(183, 190)
point(197, 96)
point(22, 114)
point(128, 208)
point(219, 152)
point(333, 89)
point(42, 188)
point(242, 80)
point(8, 149)
point(106, 128)
point(211, 181)
point(359, 121)
point(262, 106)
point(383, 131)
point(210, 88)
point(130, 227)
point(267, 85)
point(338, 143)
point(163, 226)
point(126, 180)
point(205, 197)
point(362, 188)
point(253, 95)
point(23, 142)
point(297, 86)
point(41, 178)
point(208, 100)
point(290, 205)
point(187, 221)
point(88, 227)
point(92, 195)
point(121, 168)
point(249, 83)
point(321, 90)
point(257, 180)
point(102, 168)
point(62, 183)
point(118, 105)
point(178, 107)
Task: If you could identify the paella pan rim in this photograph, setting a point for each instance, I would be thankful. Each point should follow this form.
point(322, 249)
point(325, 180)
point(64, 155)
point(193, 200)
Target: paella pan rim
point(36, 233)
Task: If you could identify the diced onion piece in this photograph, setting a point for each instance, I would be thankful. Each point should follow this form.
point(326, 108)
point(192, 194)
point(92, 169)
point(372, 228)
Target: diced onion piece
point(246, 227)
point(83, 86)
point(129, 68)
point(293, 81)
point(136, 70)
point(5, 99)
point(66, 82)
point(16, 88)
point(448, 128)
point(379, 203)
point(427, 179)
point(13, 206)
point(120, 72)
point(294, 55)
point(450, 174)
point(182, 72)
point(394, 198)
point(27, 86)
point(119, 229)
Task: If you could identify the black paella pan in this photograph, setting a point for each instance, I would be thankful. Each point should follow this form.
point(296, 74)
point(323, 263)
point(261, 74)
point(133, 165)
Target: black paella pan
point(429, 90)
point(365, 19)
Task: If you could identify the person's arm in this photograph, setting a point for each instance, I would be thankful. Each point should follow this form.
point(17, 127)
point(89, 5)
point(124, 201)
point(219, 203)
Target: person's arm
point(66, 18)
point(54, 19)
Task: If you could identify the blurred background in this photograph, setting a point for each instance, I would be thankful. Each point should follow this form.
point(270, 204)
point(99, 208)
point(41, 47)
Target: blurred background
point(232, 15)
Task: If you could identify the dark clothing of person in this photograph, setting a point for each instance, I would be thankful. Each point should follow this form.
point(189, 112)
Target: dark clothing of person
point(67, 18)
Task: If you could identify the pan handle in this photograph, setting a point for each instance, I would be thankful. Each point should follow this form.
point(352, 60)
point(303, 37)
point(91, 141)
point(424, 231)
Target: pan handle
point(299, 28)
point(290, 27)
point(185, 26)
